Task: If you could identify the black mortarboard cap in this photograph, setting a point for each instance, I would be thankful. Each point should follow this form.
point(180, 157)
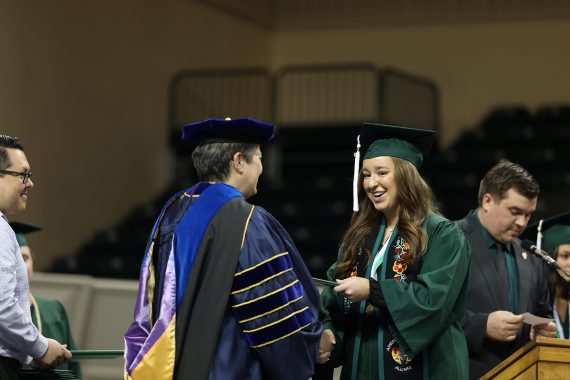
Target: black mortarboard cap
point(219, 130)
point(555, 231)
point(21, 230)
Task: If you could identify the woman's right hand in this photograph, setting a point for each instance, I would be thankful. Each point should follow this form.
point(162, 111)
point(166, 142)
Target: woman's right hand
point(355, 289)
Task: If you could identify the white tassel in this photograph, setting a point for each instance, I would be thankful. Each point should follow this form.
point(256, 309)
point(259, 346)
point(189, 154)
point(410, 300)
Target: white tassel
point(539, 235)
point(355, 177)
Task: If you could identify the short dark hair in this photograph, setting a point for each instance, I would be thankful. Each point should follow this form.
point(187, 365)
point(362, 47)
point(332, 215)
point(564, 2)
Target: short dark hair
point(506, 175)
point(8, 142)
point(212, 161)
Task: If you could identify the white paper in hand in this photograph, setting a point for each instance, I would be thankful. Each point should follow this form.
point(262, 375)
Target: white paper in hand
point(532, 319)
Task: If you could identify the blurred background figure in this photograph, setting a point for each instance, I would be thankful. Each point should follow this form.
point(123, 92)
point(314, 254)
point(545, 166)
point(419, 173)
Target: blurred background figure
point(554, 238)
point(49, 316)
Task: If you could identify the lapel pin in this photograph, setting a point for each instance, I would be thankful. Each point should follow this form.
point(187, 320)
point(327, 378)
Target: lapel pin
point(524, 255)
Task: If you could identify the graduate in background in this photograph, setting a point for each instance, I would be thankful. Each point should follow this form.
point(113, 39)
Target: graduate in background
point(401, 271)
point(223, 293)
point(49, 316)
point(554, 238)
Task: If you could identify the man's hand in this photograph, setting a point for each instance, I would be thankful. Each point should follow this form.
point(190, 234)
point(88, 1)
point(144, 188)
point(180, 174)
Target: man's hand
point(503, 325)
point(546, 329)
point(354, 288)
point(55, 355)
point(326, 346)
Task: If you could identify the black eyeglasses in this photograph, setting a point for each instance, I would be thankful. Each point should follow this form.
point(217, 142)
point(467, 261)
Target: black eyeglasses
point(25, 176)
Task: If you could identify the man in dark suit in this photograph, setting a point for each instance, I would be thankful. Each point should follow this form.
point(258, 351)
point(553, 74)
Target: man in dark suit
point(505, 281)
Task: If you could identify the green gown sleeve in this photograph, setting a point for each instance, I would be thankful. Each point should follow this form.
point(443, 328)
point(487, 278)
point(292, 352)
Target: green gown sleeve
point(332, 318)
point(421, 309)
point(56, 326)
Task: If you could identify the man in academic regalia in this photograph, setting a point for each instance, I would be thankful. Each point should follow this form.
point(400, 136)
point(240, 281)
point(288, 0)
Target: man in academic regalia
point(48, 316)
point(505, 281)
point(223, 292)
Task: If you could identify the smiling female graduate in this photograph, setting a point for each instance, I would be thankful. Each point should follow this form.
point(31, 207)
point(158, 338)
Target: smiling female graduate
point(402, 270)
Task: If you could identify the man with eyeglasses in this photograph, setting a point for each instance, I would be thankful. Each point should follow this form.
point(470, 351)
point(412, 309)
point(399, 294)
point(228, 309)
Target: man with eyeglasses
point(20, 340)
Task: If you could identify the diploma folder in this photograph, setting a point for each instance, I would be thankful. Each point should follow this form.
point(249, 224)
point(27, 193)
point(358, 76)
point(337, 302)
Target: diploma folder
point(64, 374)
point(46, 374)
point(320, 281)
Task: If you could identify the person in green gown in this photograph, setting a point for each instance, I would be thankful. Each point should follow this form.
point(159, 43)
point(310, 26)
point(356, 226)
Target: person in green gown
point(49, 316)
point(556, 241)
point(402, 271)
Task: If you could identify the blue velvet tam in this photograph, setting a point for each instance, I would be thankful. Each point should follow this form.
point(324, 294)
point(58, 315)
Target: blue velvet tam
point(378, 140)
point(21, 230)
point(223, 131)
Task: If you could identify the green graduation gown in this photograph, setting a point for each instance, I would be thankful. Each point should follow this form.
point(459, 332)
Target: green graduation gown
point(55, 325)
point(411, 317)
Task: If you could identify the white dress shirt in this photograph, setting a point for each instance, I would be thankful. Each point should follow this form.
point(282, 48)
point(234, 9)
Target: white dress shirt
point(19, 338)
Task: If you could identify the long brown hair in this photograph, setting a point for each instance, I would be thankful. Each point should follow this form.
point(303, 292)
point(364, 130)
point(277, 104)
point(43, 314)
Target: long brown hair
point(415, 201)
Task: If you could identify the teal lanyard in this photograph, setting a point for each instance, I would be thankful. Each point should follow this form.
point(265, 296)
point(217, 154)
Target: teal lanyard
point(558, 323)
point(362, 306)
